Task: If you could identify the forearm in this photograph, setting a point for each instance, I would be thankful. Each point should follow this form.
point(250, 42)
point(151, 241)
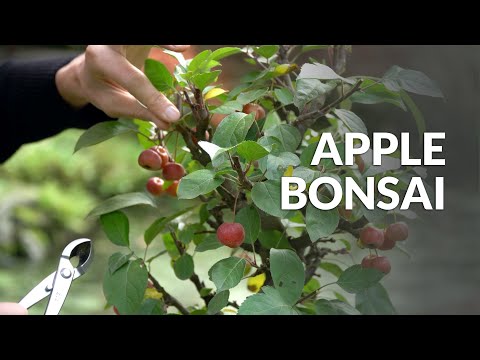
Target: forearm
point(32, 107)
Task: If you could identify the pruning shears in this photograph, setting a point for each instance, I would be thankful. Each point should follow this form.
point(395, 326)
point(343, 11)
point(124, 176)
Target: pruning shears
point(57, 284)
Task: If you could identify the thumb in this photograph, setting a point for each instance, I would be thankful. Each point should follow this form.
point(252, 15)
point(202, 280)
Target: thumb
point(12, 309)
point(177, 48)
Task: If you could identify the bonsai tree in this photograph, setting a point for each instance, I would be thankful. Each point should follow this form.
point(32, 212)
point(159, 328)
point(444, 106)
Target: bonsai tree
point(228, 154)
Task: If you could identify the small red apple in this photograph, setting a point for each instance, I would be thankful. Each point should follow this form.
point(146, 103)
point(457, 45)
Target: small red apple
point(231, 234)
point(173, 171)
point(360, 163)
point(172, 189)
point(155, 186)
point(371, 237)
point(397, 231)
point(381, 263)
point(259, 111)
point(150, 159)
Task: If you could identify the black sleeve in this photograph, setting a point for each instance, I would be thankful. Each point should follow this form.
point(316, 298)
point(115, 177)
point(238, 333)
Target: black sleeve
point(31, 107)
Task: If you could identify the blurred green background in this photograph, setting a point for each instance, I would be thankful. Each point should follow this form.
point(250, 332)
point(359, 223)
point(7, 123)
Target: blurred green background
point(46, 193)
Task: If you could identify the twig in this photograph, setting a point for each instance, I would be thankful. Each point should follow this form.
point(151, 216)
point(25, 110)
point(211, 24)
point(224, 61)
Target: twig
point(169, 299)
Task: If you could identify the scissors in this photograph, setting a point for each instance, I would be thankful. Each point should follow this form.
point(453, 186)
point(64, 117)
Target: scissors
point(57, 284)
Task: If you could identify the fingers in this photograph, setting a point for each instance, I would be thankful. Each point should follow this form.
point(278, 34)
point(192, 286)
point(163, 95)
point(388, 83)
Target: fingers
point(116, 68)
point(118, 104)
point(12, 309)
point(177, 48)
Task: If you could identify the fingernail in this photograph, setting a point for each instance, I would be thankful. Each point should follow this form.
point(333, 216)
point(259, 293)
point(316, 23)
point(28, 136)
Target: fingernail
point(172, 113)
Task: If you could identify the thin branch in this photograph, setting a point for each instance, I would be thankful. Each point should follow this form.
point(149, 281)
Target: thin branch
point(169, 299)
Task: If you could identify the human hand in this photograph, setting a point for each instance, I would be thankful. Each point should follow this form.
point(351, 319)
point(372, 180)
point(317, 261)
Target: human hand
point(111, 78)
point(12, 309)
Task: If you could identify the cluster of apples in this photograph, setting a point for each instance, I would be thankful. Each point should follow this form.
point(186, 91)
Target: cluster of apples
point(157, 158)
point(374, 238)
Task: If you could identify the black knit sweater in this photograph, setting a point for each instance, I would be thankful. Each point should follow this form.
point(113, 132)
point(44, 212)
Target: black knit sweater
point(31, 108)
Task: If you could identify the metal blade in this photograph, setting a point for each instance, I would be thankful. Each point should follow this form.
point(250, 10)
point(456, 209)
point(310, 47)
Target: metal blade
point(39, 292)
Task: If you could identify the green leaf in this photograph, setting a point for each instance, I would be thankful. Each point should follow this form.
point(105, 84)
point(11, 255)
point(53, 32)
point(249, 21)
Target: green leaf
point(417, 114)
point(227, 108)
point(334, 307)
point(321, 223)
point(117, 260)
point(151, 307)
point(227, 273)
point(233, 129)
point(320, 72)
point(158, 75)
point(116, 227)
point(199, 60)
point(126, 286)
point(305, 173)
point(311, 286)
point(268, 303)
point(272, 120)
point(351, 121)
point(122, 201)
point(209, 243)
point(310, 89)
point(170, 246)
point(267, 51)
point(146, 132)
point(376, 93)
point(198, 183)
point(288, 274)
point(251, 96)
point(288, 135)
point(374, 301)
point(356, 278)
point(284, 95)
point(333, 269)
point(159, 225)
point(201, 81)
point(218, 302)
point(101, 132)
point(250, 219)
point(273, 239)
point(183, 267)
point(266, 196)
point(251, 151)
point(410, 80)
point(224, 52)
point(274, 165)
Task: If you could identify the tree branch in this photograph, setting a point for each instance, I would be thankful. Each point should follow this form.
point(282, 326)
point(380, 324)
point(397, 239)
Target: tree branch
point(169, 299)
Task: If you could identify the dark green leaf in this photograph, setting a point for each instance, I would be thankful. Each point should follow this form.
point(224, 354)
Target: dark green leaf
point(412, 81)
point(126, 286)
point(250, 150)
point(288, 274)
point(101, 132)
point(356, 278)
point(116, 227)
point(228, 108)
point(288, 135)
point(417, 114)
point(122, 201)
point(266, 196)
point(321, 223)
point(218, 302)
point(267, 51)
point(284, 96)
point(250, 219)
point(273, 239)
point(310, 89)
point(334, 307)
point(331, 268)
point(251, 96)
point(376, 94)
point(159, 225)
point(268, 303)
point(198, 183)
point(351, 121)
point(117, 260)
point(183, 267)
point(158, 75)
point(227, 273)
point(151, 307)
point(224, 52)
point(209, 243)
point(233, 129)
point(374, 301)
point(201, 81)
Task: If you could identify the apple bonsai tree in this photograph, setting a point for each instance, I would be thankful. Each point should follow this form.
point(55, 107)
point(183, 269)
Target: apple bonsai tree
point(225, 159)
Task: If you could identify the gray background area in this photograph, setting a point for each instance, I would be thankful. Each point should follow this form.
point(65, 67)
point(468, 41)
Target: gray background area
point(443, 275)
